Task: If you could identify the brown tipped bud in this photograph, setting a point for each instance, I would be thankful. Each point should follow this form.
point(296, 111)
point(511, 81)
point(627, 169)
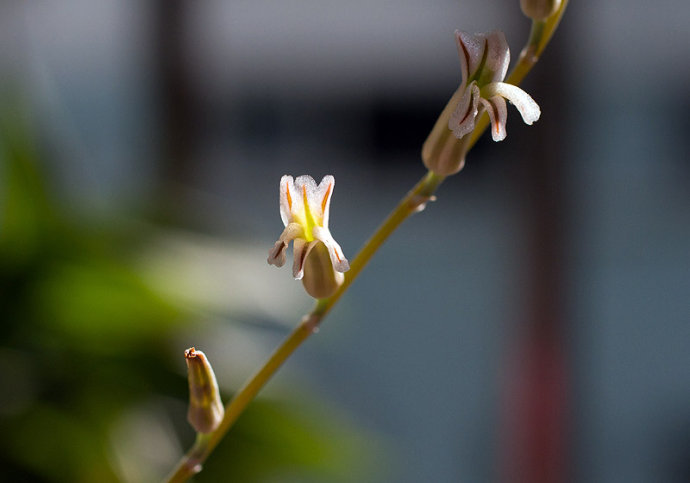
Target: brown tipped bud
point(205, 407)
point(539, 9)
point(320, 278)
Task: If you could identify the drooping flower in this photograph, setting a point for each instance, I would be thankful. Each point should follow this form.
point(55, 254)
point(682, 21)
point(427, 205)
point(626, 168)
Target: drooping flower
point(484, 60)
point(318, 259)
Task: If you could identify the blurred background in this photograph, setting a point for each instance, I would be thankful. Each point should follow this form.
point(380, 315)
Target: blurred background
point(532, 325)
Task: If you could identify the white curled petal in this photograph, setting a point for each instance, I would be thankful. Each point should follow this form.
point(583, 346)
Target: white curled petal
point(471, 50)
point(292, 231)
point(498, 114)
point(461, 122)
point(497, 56)
point(340, 263)
point(287, 190)
point(276, 255)
point(300, 251)
point(529, 110)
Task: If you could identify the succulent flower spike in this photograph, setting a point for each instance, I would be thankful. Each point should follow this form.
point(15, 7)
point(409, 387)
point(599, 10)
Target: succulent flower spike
point(484, 60)
point(304, 208)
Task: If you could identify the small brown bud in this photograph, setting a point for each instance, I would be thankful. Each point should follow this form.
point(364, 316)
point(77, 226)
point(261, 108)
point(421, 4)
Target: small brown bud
point(205, 407)
point(539, 9)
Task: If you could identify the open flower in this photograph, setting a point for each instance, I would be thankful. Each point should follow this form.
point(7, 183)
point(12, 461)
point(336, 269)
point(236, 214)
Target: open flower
point(484, 60)
point(318, 259)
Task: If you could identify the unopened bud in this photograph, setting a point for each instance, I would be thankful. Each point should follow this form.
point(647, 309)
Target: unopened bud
point(205, 407)
point(442, 152)
point(320, 278)
point(539, 9)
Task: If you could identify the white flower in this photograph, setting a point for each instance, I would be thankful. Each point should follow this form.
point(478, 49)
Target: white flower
point(484, 60)
point(304, 208)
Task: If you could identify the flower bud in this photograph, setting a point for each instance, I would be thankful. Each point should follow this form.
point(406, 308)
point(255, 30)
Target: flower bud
point(320, 278)
point(442, 152)
point(205, 407)
point(539, 9)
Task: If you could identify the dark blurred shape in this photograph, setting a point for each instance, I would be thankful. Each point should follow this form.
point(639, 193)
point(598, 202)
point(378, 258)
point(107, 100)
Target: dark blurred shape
point(536, 436)
point(399, 127)
point(177, 106)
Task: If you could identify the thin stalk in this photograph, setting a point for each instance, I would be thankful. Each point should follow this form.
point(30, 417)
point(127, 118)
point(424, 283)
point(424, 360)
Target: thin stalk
point(414, 201)
point(191, 462)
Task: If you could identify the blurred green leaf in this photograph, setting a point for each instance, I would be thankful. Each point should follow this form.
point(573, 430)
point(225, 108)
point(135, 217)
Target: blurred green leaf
point(281, 442)
point(101, 304)
point(61, 447)
point(27, 215)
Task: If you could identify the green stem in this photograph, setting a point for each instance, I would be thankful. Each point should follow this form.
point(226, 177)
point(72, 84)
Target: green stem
point(423, 191)
point(190, 464)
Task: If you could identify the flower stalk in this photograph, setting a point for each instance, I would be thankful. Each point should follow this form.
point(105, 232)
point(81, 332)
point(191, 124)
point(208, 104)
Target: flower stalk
point(414, 201)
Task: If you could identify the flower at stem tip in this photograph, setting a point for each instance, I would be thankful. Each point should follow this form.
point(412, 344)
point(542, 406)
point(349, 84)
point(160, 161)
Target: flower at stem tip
point(484, 60)
point(318, 259)
point(205, 407)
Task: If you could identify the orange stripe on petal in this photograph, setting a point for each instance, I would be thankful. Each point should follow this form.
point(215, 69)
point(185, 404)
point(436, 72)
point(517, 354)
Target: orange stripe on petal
point(325, 197)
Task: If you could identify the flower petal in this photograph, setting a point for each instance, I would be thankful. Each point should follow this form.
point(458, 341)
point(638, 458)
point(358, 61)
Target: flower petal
point(340, 263)
point(320, 200)
point(461, 122)
point(300, 251)
point(471, 51)
point(288, 199)
point(483, 57)
point(498, 113)
point(497, 56)
point(292, 231)
point(529, 110)
point(276, 255)
point(306, 188)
